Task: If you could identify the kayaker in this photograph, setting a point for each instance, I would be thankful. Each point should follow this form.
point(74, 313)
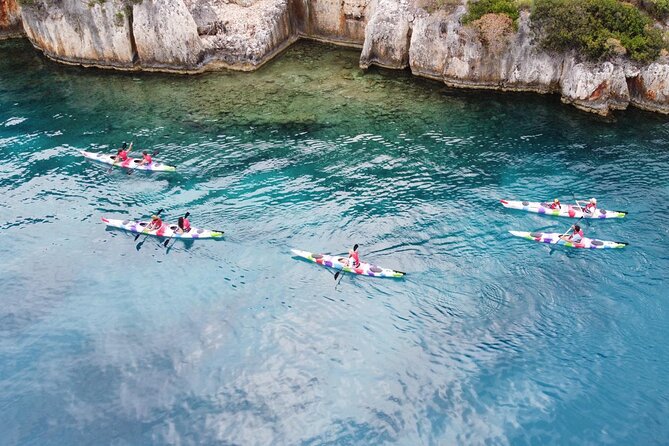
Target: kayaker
point(591, 207)
point(183, 225)
point(122, 154)
point(156, 223)
point(555, 204)
point(353, 260)
point(146, 158)
point(575, 236)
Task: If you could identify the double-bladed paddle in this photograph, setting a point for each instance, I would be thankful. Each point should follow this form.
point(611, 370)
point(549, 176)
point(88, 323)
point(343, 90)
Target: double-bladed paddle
point(341, 271)
point(167, 242)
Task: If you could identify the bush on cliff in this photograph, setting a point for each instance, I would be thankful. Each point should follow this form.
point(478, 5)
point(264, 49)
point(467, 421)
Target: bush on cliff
point(596, 28)
point(477, 9)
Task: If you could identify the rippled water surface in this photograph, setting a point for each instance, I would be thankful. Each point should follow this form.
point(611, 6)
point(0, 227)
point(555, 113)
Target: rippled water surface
point(488, 340)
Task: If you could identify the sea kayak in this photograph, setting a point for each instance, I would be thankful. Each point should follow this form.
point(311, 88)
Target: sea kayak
point(554, 238)
point(130, 163)
point(566, 210)
point(164, 231)
point(337, 262)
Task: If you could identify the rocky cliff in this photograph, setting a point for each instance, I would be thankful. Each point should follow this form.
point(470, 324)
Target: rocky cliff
point(10, 19)
point(491, 54)
point(426, 36)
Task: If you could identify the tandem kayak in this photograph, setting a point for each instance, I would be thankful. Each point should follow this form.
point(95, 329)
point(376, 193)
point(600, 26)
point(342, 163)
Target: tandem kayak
point(554, 238)
point(130, 163)
point(337, 262)
point(164, 231)
point(567, 210)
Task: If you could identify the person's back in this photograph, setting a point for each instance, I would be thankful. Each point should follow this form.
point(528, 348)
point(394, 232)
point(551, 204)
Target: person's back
point(555, 204)
point(354, 259)
point(592, 206)
point(184, 224)
point(577, 235)
point(156, 223)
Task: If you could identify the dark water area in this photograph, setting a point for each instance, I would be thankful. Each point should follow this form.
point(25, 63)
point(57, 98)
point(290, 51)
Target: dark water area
point(489, 339)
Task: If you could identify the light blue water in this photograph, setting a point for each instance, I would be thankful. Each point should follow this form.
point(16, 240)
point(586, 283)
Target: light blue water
point(488, 340)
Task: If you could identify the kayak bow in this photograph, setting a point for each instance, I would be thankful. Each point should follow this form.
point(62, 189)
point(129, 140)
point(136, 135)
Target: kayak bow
point(337, 262)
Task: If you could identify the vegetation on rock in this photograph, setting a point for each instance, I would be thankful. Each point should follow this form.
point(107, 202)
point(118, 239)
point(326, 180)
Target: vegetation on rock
point(596, 28)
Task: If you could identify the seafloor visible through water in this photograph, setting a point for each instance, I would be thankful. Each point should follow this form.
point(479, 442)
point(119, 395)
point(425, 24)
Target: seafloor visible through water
point(489, 339)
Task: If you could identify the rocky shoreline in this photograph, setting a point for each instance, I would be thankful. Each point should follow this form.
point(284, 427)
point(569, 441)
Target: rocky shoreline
point(193, 36)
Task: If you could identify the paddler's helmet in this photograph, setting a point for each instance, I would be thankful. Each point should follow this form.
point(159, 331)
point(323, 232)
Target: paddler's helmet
point(593, 200)
point(154, 217)
point(556, 201)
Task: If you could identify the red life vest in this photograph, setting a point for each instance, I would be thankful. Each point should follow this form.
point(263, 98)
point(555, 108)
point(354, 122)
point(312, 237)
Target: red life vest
point(186, 225)
point(356, 258)
point(148, 159)
point(122, 155)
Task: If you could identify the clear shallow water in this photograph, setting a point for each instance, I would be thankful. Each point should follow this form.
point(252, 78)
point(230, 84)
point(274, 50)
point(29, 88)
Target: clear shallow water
point(489, 339)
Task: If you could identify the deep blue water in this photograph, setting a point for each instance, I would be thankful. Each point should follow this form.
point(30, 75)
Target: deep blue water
point(489, 339)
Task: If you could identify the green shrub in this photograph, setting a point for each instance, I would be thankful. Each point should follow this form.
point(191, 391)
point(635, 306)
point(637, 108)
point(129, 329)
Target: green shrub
point(589, 25)
point(657, 8)
point(480, 8)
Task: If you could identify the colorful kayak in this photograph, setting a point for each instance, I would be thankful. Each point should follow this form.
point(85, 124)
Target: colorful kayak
point(164, 231)
point(566, 210)
point(130, 163)
point(336, 262)
point(554, 238)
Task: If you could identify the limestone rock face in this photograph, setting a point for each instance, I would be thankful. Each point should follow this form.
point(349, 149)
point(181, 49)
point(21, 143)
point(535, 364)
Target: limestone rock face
point(10, 19)
point(649, 88)
point(341, 21)
point(441, 47)
point(170, 42)
point(388, 35)
point(597, 88)
point(76, 32)
point(242, 34)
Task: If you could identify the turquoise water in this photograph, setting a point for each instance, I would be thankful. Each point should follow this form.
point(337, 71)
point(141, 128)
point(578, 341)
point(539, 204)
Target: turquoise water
point(488, 340)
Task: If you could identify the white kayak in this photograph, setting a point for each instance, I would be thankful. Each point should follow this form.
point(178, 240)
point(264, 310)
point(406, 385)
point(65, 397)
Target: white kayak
point(165, 230)
point(565, 210)
point(341, 263)
point(130, 163)
point(554, 239)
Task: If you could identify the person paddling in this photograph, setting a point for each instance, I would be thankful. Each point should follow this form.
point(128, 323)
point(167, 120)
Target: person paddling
point(122, 153)
point(183, 225)
point(353, 260)
point(556, 204)
point(591, 207)
point(575, 236)
point(146, 159)
point(155, 224)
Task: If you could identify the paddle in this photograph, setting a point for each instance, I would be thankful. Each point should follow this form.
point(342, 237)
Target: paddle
point(137, 236)
point(116, 158)
point(578, 203)
point(355, 248)
point(155, 152)
point(167, 242)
